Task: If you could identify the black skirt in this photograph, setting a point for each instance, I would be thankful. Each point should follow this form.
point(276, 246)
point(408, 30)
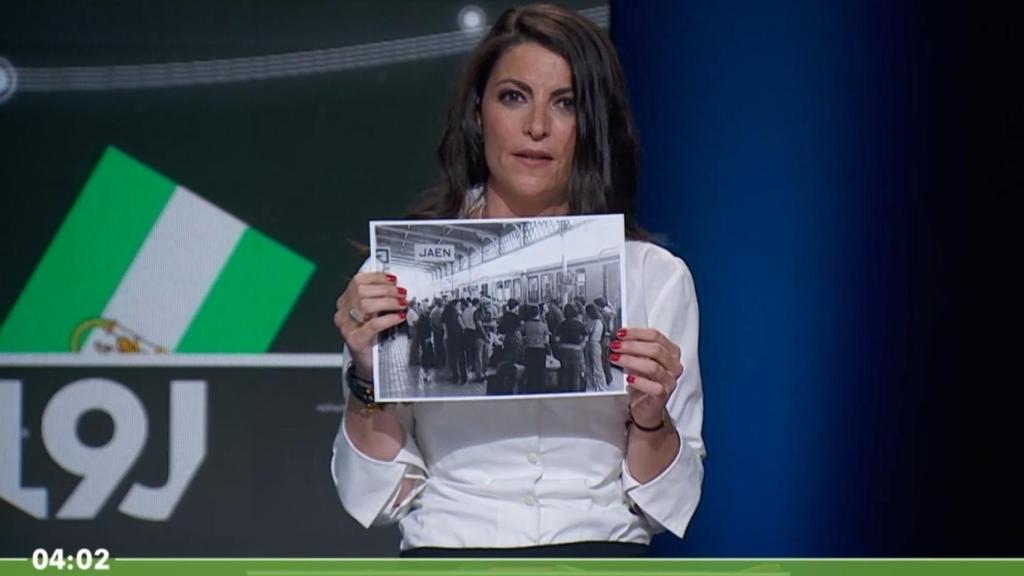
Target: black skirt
point(571, 550)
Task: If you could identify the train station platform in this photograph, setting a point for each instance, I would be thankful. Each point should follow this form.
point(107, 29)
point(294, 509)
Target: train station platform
point(404, 381)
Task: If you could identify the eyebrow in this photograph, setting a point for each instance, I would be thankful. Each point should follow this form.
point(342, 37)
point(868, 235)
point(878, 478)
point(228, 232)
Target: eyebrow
point(526, 87)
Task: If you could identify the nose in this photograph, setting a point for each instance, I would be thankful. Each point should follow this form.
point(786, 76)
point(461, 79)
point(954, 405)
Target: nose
point(538, 124)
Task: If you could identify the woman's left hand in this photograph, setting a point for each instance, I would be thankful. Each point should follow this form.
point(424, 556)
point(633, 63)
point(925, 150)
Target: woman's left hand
point(652, 366)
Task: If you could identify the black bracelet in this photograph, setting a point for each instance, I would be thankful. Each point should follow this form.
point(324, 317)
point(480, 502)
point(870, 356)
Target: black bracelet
point(361, 389)
point(646, 428)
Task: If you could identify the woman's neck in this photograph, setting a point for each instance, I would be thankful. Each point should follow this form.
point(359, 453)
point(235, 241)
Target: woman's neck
point(498, 205)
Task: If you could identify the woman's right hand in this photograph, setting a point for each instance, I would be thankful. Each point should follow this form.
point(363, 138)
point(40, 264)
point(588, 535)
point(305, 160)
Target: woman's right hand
point(372, 303)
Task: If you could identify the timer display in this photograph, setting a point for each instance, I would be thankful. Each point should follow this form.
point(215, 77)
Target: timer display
point(83, 559)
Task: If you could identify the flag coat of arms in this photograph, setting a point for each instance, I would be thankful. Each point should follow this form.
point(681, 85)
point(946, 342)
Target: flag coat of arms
point(141, 264)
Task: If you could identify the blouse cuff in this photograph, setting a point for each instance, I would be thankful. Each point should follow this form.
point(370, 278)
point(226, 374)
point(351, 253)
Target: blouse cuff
point(669, 500)
point(368, 487)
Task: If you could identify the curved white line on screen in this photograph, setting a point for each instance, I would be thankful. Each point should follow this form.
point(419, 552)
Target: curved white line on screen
point(8, 79)
point(181, 74)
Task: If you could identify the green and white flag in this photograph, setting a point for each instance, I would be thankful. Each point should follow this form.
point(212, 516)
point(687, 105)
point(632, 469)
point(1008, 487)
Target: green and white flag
point(141, 264)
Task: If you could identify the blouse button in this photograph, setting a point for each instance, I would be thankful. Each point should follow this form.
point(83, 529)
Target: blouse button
point(532, 457)
point(531, 500)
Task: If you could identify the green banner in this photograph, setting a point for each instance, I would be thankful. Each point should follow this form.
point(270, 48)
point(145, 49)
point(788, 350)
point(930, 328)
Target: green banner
point(527, 567)
point(156, 268)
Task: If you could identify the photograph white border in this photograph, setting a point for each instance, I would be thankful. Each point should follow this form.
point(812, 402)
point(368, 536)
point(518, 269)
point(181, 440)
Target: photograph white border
point(376, 267)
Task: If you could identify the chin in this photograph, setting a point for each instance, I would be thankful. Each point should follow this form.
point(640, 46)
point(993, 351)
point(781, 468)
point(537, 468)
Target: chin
point(539, 200)
point(531, 194)
point(533, 191)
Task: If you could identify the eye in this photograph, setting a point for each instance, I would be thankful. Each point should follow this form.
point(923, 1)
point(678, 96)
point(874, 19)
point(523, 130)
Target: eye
point(511, 96)
point(568, 103)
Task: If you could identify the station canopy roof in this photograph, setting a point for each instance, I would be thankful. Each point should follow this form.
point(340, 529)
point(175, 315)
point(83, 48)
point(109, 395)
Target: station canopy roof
point(476, 240)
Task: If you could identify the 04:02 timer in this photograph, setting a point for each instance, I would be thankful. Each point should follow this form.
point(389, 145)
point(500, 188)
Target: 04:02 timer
point(83, 559)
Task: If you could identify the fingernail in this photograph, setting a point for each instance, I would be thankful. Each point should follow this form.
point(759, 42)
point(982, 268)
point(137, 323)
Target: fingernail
point(392, 278)
point(613, 357)
point(616, 344)
point(402, 314)
point(402, 291)
point(402, 302)
point(631, 379)
point(621, 333)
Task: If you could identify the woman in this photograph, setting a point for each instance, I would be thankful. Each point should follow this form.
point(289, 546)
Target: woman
point(485, 326)
point(571, 335)
point(510, 327)
point(535, 350)
point(540, 127)
point(424, 335)
point(453, 342)
point(594, 371)
point(470, 334)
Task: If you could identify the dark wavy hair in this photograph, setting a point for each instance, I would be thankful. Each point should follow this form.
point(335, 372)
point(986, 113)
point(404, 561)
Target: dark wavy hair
point(604, 169)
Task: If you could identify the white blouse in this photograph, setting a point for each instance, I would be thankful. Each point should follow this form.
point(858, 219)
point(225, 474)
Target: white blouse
point(514, 473)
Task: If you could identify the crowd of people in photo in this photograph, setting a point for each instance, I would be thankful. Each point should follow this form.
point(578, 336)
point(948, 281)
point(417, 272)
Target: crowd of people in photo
point(514, 348)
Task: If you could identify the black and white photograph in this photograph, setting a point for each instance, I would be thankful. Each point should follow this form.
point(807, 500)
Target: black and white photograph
point(501, 308)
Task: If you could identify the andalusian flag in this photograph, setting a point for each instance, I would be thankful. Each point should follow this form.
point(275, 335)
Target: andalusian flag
point(141, 264)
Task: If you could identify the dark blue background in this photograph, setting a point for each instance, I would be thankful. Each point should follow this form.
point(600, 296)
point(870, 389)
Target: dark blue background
point(837, 175)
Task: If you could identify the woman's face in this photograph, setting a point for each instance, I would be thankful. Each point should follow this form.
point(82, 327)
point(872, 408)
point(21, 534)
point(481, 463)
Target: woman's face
point(528, 119)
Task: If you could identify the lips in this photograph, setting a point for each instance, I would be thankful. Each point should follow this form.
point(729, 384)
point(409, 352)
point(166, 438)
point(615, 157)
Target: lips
point(534, 158)
point(533, 155)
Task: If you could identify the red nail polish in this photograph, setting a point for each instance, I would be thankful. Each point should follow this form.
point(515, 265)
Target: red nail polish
point(613, 357)
point(621, 333)
point(631, 379)
point(402, 314)
point(402, 302)
point(616, 344)
point(392, 278)
point(402, 291)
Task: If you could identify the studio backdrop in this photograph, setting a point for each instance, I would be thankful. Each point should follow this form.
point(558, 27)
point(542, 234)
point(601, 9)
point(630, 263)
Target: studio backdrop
point(181, 186)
